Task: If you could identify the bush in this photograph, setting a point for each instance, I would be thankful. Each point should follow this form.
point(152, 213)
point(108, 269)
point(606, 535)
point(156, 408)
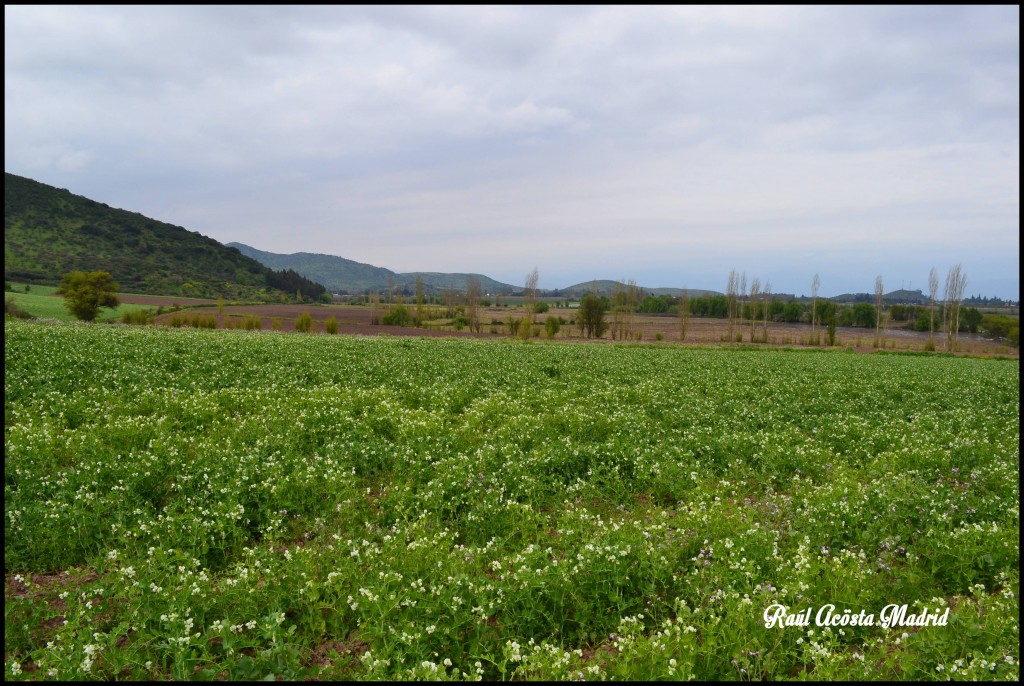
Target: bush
point(552, 326)
point(331, 325)
point(137, 317)
point(397, 316)
point(1001, 326)
point(85, 293)
point(304, 322)
point(253, 323)
point(275, 323)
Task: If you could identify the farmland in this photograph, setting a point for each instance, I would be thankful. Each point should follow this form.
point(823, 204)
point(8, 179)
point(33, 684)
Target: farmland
point(209, 504)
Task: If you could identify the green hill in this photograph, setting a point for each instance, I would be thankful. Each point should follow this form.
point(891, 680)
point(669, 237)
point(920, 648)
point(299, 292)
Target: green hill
point(342, 275)
point(437, 282)
point(607, 287)
point(50, 231)
point(901, 297)
point(338, 274)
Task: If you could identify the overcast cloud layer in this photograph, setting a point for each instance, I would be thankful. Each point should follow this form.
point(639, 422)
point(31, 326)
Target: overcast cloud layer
point(668, 145)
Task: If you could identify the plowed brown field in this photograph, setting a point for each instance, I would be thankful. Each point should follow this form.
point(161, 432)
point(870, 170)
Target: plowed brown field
point(355, 320)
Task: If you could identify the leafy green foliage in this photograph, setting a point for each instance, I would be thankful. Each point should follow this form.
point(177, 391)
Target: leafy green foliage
point(829, 315)
point(137, 317)
point(552, 325)
point(454, 509)
point(591, 315)
point(1001, 326)
point(398, 315)
point(304, 322)
point(85, 293)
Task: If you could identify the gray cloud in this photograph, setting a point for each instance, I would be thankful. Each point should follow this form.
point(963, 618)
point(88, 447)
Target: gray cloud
point(664, 144)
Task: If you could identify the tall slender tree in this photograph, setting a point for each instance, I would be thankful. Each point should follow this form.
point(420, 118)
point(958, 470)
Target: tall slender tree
point(933, 292)
point(879, 297)
point(743, 294)
point(632, 299)
point(815, 285)
point(530, 296)
point(730, 293)
point(684, 313)
point(618, 304)
point(421, 314)
point(755, 290)
point(956, 282)
point(767, 306)
point(473, 304)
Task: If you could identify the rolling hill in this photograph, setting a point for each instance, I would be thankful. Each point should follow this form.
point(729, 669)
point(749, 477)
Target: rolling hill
point(50, 231)
point(342, 275)
point(607, 287)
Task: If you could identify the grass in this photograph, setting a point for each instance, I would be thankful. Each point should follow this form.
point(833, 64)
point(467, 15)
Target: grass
point(41, 302)
point(460, 509)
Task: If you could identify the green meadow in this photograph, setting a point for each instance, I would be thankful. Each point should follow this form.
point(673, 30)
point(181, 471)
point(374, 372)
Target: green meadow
point(40, 302)
point(210, 504)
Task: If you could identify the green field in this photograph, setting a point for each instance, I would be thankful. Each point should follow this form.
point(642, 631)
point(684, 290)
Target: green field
point(195, 504)
point(41, 303)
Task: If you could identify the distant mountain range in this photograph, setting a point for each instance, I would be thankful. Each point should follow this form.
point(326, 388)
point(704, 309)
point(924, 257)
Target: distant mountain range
point(608, 287)
point(345, 276)
point(341, 275)
point(49, 232)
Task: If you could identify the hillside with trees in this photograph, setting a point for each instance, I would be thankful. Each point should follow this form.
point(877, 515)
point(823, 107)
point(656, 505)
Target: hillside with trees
point(49, 232)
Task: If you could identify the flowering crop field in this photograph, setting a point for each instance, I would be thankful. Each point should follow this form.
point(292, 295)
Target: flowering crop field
point(194, 504)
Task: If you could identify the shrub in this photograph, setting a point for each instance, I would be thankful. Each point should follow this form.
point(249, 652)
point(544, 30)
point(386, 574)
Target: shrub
point(304, 322)
point(275, 323)
point(137, 317)
point(397, 316)
point(331, 325)
point(525, 329)
point(253, 323)
point(552, 326)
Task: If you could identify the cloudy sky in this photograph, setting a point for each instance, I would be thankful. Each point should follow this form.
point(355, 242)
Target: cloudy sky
point(668, 145)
